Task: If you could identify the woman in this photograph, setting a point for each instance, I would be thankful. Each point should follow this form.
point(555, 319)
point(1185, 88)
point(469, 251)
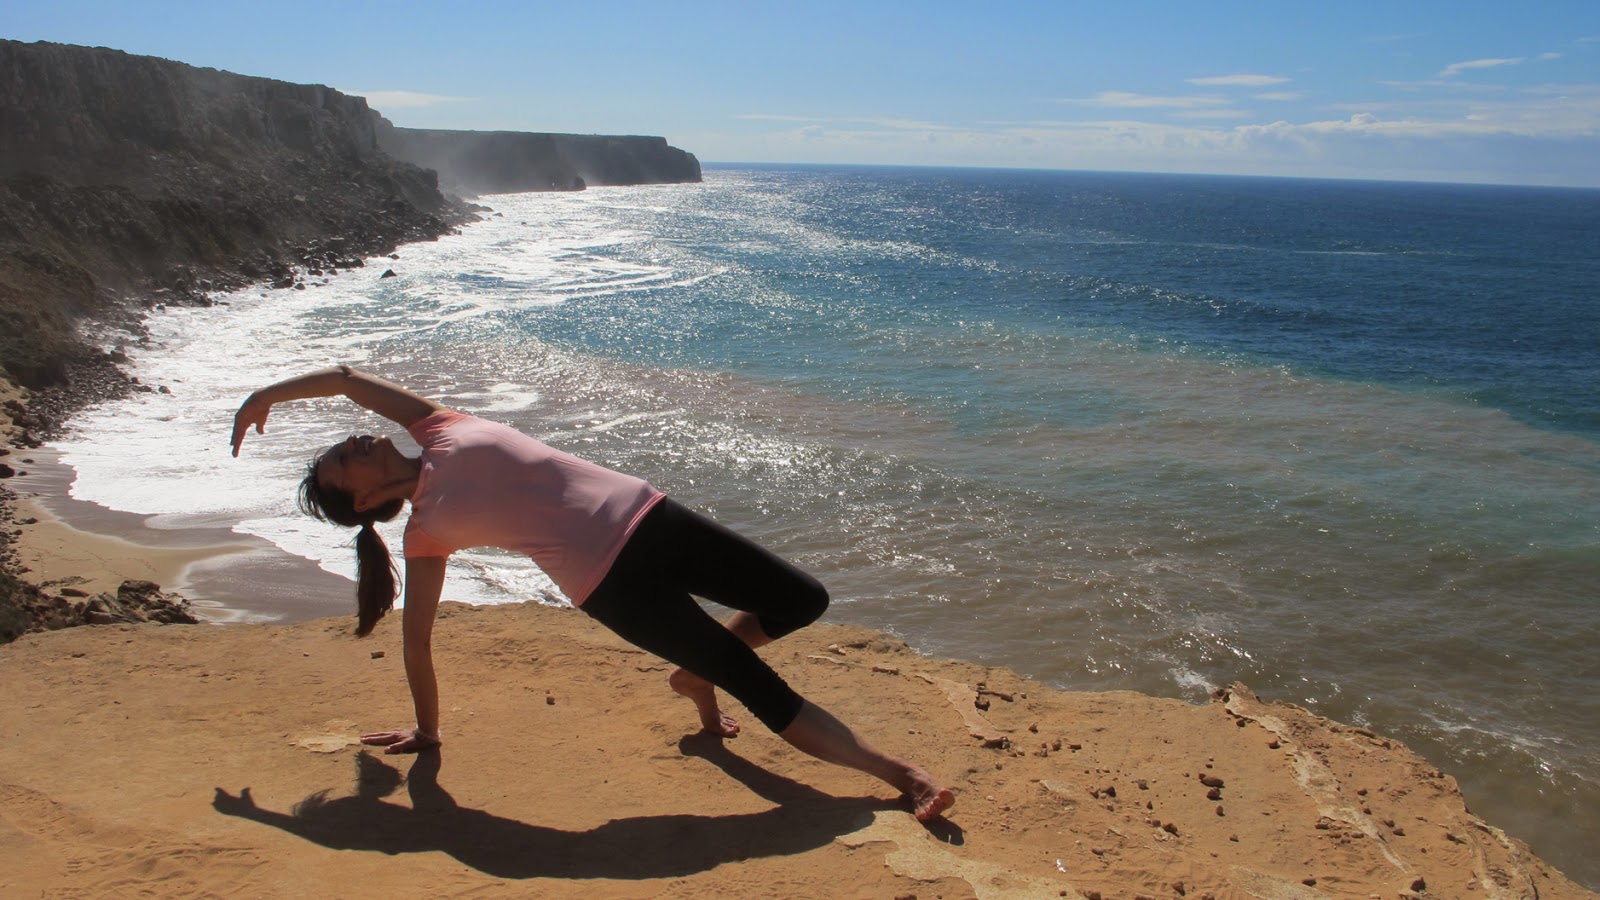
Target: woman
point(625, 553)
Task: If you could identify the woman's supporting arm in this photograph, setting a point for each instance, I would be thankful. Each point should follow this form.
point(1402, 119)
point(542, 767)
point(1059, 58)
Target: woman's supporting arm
point(424, 584)
point(385, 398)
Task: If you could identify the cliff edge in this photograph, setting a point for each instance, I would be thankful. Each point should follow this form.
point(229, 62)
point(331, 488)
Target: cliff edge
point(502, 162)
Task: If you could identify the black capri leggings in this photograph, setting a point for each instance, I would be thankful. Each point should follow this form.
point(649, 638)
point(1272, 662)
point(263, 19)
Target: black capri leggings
point(675, 553)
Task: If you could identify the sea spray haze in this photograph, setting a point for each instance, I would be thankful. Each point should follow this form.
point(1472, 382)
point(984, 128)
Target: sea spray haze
point(1340, 441)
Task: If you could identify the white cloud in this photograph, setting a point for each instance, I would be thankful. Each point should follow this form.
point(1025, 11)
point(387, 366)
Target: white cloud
point(1439, 83)
point(775, 117)
point(1279, 95)
point(1211, 114)
point(1539, 135)
point(900, 124)
point(382, 100)
point(1240, 80)
point(1127, 100)
point(1455, 69)
point(1548, 56)
point(1365, 145)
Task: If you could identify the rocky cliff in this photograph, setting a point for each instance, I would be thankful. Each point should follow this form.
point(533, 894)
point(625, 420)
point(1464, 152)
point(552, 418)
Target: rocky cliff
point(499, 162)
point(128, 176)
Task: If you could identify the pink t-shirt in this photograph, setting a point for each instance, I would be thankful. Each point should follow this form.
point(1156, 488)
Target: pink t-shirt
point(489, 485)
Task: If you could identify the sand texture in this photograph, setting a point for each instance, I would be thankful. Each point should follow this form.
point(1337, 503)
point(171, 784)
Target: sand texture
point(188, 761)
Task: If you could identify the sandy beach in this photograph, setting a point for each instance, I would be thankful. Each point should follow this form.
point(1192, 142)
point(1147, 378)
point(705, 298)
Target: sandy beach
point(177, 761)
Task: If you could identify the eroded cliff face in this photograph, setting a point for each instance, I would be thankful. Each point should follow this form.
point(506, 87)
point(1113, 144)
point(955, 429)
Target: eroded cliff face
point(500, 162)
point(124, 176)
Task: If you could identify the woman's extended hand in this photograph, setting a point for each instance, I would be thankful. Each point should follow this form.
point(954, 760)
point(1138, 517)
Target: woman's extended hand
point(253, 412)
point(409, 740)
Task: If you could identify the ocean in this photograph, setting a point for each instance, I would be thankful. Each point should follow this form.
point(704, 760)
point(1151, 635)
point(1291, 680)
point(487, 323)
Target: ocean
point(1339, 441)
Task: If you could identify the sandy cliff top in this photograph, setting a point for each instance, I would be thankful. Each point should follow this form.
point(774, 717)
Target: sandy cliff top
point(196, 760)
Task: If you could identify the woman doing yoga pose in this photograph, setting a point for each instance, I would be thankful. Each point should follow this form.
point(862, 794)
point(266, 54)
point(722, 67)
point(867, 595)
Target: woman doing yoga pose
point(624, 552)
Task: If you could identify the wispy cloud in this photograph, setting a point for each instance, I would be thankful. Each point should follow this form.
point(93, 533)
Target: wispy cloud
point(381, 100)
point(1363, 144)
point(1279, 95)
point(888, 123)
point(1127, 100)
point(1211, 114)
point(775, 117)
point(1455, 69)
point(1548, 56)
point(1239, 80)
point(1441, 83)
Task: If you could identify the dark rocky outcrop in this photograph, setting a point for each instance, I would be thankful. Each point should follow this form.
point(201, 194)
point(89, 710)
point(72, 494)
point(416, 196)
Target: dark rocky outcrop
point(25, 607)
point(129, 176)
point(499, 162)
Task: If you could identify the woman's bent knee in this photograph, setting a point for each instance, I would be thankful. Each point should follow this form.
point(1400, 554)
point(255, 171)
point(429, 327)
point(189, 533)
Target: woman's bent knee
point(805, 605)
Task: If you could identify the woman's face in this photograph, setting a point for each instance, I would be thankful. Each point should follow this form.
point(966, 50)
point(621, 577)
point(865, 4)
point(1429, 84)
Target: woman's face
point(359, 465)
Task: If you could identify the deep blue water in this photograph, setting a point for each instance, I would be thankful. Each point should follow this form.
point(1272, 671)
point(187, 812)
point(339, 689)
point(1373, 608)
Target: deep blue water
point(1490, 294)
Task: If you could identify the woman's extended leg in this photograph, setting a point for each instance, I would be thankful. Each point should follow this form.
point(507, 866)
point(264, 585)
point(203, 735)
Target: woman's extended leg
point(818, 733)
point(675, 628)
point(646, 600)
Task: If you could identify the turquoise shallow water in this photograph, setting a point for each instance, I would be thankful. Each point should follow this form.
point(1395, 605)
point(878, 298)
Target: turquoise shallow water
point(1338, 441)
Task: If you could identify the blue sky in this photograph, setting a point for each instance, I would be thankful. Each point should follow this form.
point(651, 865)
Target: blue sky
point(1440, 91)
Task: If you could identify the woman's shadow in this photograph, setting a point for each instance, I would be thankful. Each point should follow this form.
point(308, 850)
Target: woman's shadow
point(638, 847)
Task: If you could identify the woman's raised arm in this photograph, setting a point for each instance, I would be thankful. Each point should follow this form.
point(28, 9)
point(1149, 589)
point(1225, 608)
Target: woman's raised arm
point(385, 398)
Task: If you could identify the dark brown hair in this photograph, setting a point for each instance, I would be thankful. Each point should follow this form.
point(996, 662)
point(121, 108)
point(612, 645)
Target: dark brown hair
point(376, 575)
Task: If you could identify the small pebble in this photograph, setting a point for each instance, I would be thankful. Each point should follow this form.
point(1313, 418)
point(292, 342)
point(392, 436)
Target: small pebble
point(377, 654)
point(1308, 881)
point(1211, 781)
point(549, 700)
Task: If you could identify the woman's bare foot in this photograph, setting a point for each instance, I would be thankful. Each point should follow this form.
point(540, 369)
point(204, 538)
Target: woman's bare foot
point(704, 695)
point(929, 799)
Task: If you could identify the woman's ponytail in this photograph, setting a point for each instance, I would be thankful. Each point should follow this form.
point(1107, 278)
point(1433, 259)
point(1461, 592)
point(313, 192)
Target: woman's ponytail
point(376, 574)
point(375, 579)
